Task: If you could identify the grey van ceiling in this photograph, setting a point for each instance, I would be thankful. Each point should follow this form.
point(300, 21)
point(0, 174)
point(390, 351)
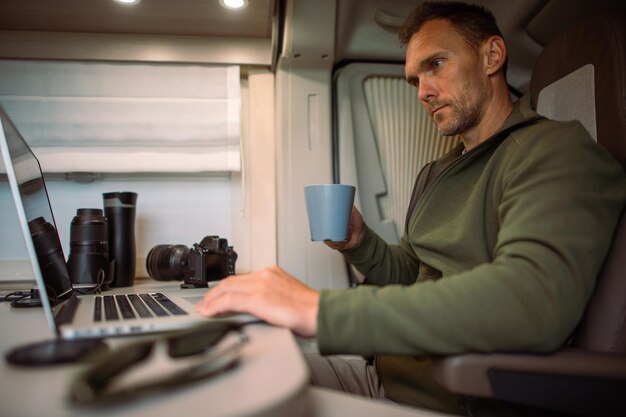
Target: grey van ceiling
point(192, 31)
point(157, 17)
point(203, 30)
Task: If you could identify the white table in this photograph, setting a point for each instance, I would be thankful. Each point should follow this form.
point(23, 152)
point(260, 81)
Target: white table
point(271, 380)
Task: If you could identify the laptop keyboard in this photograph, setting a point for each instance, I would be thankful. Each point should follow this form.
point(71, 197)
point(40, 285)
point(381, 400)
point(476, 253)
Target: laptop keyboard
point(140, 307)
point(133, 306)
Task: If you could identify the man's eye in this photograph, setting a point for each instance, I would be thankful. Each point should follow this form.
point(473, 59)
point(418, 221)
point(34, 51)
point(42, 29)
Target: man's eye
point(437, 63)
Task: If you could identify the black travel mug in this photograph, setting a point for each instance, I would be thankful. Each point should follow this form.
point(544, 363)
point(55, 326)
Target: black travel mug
point(119, 209)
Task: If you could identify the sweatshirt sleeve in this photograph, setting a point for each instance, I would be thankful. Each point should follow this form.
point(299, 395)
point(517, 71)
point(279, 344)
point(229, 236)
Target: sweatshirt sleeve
point(556, 219)
point(384, 264)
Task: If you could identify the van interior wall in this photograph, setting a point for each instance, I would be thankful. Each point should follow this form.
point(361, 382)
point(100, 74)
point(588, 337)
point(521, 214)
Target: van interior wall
point(304, 138)
point(254, 187)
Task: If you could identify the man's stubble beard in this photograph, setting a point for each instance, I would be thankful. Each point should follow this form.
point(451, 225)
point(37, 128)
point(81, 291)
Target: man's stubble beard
point(465, 114)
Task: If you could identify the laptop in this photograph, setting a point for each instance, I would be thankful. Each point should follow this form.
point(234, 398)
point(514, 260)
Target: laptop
point(71, 315)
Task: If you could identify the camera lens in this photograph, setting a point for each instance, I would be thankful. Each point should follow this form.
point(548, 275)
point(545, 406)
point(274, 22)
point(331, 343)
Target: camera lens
point(89, 227)
point(88, 262)
point(45, 238)
point(50, 258)
point(168, 262)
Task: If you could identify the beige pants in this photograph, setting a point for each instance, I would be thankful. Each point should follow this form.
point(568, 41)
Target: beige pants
point(348, 374)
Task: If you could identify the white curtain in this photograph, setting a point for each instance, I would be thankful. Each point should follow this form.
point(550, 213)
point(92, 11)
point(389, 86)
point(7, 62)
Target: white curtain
point(125, 117)
point(406, 138)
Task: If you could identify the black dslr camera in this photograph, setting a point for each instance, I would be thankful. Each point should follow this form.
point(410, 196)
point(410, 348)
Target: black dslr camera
point(210, 260)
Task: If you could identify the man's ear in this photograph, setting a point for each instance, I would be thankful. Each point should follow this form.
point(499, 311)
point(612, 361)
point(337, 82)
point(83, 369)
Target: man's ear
point(494, 53)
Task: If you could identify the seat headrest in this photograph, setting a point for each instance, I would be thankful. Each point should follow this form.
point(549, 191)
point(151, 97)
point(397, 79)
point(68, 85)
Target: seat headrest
point(599, 40)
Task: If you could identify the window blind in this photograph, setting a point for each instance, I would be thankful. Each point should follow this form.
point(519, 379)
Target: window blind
point(125, 117)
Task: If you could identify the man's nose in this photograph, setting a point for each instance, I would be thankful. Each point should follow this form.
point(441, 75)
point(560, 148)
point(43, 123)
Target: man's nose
point(426, 91)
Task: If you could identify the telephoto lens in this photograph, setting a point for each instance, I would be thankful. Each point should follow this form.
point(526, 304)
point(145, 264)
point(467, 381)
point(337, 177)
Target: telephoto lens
point(88, 263)
point(168, 262)
point(51, 259)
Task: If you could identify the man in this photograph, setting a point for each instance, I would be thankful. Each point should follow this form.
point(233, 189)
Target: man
point(504, 237)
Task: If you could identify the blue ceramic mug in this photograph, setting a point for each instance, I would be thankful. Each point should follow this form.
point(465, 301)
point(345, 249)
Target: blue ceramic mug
point(329, 207)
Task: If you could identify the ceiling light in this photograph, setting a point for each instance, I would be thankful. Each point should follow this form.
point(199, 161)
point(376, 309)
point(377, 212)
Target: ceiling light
point(128, 1)
point(234, 4)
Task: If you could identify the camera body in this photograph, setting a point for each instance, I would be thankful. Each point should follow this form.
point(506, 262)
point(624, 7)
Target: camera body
point(210, 260)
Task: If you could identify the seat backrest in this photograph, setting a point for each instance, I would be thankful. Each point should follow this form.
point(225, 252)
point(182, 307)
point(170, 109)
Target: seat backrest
point(581, 74)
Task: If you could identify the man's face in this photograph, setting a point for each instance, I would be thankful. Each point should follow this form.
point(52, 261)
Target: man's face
point(448, 74)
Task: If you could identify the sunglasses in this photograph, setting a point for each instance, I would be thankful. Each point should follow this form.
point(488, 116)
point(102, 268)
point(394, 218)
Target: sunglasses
point(159, 364)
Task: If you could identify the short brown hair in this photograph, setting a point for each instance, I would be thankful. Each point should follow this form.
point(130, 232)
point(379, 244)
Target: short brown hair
point(474, 23)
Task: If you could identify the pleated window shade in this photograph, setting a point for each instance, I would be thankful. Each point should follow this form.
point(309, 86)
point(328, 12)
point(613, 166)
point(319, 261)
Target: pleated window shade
point(406, 137)
point(125, 117)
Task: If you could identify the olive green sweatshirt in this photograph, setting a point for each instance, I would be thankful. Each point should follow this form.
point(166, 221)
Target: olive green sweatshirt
point(501, 254)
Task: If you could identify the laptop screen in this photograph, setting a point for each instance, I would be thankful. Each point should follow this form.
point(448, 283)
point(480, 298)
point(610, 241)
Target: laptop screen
point(34, 211)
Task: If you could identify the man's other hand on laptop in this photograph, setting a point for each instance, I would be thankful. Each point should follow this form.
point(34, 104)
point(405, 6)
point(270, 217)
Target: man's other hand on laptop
point(270, 294)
